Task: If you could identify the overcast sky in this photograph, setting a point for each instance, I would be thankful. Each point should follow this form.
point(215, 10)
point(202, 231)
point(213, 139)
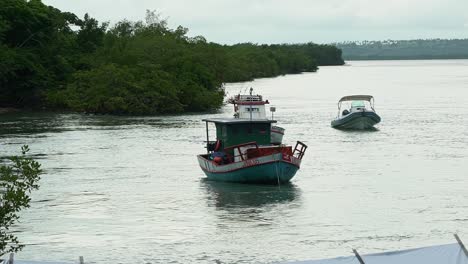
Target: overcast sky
point(291, 21)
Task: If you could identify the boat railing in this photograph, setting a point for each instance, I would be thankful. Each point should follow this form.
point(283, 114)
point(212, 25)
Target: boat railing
point(250, 98)
point(241, 154)
point(299, 150)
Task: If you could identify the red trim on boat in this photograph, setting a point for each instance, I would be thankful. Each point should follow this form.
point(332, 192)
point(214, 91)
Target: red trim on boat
point(282, 160)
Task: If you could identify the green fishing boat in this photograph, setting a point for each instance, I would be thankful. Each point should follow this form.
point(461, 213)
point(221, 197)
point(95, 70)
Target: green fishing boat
point(245, 152)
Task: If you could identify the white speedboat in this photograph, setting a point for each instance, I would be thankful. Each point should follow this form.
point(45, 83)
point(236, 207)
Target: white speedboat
point(360, 115)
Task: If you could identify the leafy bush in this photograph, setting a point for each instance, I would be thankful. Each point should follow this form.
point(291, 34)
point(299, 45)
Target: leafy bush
point(17, 180)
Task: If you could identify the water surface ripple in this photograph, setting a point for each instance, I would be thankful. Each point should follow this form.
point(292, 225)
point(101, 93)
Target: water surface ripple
point(120, 189)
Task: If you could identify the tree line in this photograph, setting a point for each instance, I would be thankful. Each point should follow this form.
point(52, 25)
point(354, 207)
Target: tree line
point(405, 49)
point(55, 60)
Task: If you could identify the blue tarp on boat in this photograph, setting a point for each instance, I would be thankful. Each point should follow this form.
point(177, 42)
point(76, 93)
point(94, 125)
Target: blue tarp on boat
point(443, 254)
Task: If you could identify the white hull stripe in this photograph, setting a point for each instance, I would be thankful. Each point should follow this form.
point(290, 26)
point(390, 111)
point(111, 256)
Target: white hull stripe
point(211, 166)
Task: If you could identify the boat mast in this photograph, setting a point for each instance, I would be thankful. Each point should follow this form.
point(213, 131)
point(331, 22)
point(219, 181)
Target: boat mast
point(339, 108)
point(207, 139)
point(250, 99)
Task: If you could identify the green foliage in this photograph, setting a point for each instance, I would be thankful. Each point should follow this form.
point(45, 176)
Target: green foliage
point(35, 48)
point(132, 67)
point(91, 34)
point(405, 49)
point(17, 180)
point(248, 61)
point(118, 89)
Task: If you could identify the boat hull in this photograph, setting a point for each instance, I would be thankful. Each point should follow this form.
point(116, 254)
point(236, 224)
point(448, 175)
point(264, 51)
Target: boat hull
point(269, 169)
point(277, 134)
point(357, 120)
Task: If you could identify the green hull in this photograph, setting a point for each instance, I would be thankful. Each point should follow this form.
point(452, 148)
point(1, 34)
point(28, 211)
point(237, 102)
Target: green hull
point(269, 173)
point(356, 120)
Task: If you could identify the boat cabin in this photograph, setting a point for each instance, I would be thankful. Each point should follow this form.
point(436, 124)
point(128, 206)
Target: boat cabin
point(357, 104)
point(231, 132)
point(242, 139)
point(249, 106)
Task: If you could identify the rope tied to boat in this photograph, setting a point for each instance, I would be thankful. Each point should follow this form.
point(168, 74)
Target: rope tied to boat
point(277, 173)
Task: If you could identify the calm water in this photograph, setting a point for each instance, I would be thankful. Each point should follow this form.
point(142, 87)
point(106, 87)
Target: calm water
point(129, 188)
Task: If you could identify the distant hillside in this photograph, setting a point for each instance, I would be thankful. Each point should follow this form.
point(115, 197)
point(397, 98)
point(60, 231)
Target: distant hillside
point(405, 49)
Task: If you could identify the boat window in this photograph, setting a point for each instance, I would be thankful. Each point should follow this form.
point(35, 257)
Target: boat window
point(358, 104)
point(253, 109)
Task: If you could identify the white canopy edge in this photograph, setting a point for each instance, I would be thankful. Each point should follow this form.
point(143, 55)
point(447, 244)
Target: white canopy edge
point(447, 254)
point(357, 97)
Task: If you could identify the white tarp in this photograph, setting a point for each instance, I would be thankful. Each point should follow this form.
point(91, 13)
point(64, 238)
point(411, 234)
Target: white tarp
point(444, 254)
point(30, 262)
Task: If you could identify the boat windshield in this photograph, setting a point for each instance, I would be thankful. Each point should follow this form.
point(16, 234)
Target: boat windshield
point(358, 104)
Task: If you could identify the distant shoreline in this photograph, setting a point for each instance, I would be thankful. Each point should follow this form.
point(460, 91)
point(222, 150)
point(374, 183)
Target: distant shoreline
point(416, 49)
point(401, 58)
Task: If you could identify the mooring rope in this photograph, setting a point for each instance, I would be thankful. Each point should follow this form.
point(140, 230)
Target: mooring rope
point(277, 174)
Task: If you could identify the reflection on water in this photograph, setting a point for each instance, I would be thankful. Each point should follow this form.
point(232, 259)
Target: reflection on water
point(29, 123)
point(359, 131)
point(233, 195)
point(19, 123)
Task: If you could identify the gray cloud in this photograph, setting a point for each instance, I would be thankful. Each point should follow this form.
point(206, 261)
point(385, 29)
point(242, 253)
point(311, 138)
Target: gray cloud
point(280, 21)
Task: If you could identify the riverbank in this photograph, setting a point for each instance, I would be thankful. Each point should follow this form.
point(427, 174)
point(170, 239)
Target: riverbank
point(132, 67)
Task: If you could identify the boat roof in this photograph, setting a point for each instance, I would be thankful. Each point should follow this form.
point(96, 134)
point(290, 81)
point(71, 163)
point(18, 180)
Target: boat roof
point(238, 120)
point(357, 97)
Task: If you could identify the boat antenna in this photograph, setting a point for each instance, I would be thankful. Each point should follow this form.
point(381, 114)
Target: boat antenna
point(250, 99)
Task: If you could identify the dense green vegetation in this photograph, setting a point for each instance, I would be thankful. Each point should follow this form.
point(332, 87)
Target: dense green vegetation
point(405, 49)
point(55, 60)
point(17, 179)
